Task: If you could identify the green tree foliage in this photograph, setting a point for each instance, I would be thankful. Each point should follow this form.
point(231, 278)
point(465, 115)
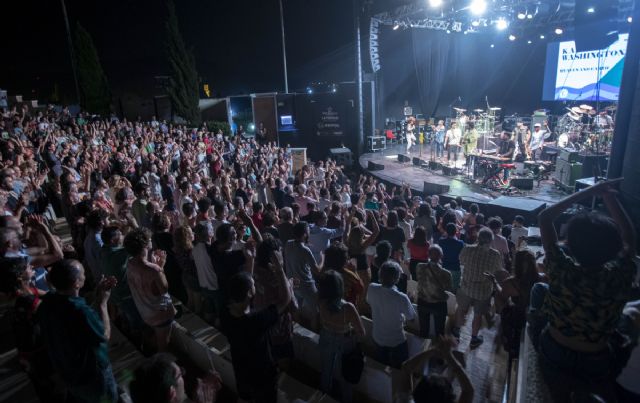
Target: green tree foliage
point(94, 88)
point(183, 83)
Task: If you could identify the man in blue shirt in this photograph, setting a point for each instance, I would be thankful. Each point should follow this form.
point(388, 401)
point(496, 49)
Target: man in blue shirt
point(320, 235)
point(451, 248)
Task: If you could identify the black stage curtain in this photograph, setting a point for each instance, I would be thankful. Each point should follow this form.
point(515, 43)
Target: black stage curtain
point(431, 69)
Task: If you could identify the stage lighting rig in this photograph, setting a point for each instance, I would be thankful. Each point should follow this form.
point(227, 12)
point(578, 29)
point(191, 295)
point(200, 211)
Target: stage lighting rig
point(502, 24)
point(478, 7)
point(435, 3)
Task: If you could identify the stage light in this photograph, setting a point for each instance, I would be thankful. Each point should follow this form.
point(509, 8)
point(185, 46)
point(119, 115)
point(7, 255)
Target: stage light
point(448, 31)
point(435, 3)
point(478, 7)
point(591, 10)
point(309, 90)
point(395, 27)
point(475, 23)
point(529, 41)
point(522, 16)
point(541, 36)
point(502, 24)
point(629, 20)
point(252, 127)
point(493, 46)
point(512, 37)
point(529, 16)
point(558, 31)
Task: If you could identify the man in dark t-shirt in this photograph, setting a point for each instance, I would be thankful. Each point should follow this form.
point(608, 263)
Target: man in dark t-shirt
point(248, 334)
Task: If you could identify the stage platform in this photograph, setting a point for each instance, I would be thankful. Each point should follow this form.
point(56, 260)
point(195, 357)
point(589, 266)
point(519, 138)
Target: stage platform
point(397, 173)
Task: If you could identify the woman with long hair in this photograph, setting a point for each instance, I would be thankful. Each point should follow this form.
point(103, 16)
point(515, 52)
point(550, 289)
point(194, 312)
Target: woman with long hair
point(418, 250)
point(336, 257)
point(340, 326)
point(268, 292)
point(359, 239)
point(512, 299)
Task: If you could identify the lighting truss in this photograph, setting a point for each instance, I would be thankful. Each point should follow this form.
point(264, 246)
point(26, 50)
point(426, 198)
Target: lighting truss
point(426, 23)
point(406, 17)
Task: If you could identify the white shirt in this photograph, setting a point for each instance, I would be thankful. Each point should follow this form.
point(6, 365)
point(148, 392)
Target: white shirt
point(389, 310)
point(204, 268)
point(517, 232)
point(454, 137)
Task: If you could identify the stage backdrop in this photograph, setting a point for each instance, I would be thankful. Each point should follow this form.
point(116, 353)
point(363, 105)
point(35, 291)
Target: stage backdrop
point(431, 69)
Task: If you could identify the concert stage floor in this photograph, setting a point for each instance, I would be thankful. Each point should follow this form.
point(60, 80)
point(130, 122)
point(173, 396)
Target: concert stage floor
point(396, 173)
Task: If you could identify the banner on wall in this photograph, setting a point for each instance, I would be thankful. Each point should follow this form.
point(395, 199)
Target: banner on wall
point(329, 122)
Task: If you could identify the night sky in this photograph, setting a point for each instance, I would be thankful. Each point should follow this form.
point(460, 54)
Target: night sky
point(237, 43)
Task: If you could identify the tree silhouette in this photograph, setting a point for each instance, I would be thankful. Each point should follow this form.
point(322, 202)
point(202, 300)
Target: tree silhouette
point(94, 88)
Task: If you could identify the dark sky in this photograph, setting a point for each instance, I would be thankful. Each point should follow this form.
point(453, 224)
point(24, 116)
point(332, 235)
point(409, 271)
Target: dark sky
point(237, 43)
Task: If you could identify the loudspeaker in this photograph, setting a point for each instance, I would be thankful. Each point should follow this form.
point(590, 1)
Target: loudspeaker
point(508, 207)
point(449, 171)
point(434, 189)
point(417, 161)
point(522, 183)
point(434, 165)
point(342, 156)
point(372, 166)
point(403, 158)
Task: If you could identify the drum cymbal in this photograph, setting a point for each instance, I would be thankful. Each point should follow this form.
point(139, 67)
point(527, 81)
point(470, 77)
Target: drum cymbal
point(478, 110)
point(586, 107)
point(577, 110)
point(574, 117)
point(459, 109)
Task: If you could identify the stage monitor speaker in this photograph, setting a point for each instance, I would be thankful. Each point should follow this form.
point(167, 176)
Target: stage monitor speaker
point(434, 165)
point(522, 183)
point(449, 171)
point(430, 189)
point(372, 166)
point(417, 161)
point(403, 158)
point(509, 207)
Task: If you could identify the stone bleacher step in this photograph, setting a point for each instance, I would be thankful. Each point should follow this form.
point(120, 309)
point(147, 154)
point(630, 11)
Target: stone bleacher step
point(378, 381)
point(207, 348)
point(15, 385)
point(124, 357)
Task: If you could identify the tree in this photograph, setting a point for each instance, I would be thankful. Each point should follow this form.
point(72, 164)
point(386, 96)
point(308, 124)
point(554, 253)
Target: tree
point(183, 82)
point(94, 88)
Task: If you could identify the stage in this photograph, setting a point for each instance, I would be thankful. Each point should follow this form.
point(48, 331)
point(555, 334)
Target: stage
point(395, 173)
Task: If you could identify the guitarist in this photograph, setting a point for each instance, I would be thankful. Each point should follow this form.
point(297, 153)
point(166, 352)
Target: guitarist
point(470, 141)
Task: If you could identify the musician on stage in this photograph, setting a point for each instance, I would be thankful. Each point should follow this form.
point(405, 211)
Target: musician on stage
point(604, 121)
point(439, 139)
point(470, 141)
point(452, 142)
point(506, 150)
point(523, 136)
point(411, 137)
point(536, 144)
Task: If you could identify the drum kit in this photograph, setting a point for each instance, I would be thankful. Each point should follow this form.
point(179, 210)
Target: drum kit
point(577, 128)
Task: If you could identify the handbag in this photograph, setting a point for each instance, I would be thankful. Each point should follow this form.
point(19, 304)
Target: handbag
point(353, 365)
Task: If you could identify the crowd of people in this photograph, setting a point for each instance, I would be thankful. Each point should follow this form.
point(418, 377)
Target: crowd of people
point(163, 214)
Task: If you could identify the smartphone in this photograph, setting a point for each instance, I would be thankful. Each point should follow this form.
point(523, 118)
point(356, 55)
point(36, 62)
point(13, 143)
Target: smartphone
point(371, 205)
